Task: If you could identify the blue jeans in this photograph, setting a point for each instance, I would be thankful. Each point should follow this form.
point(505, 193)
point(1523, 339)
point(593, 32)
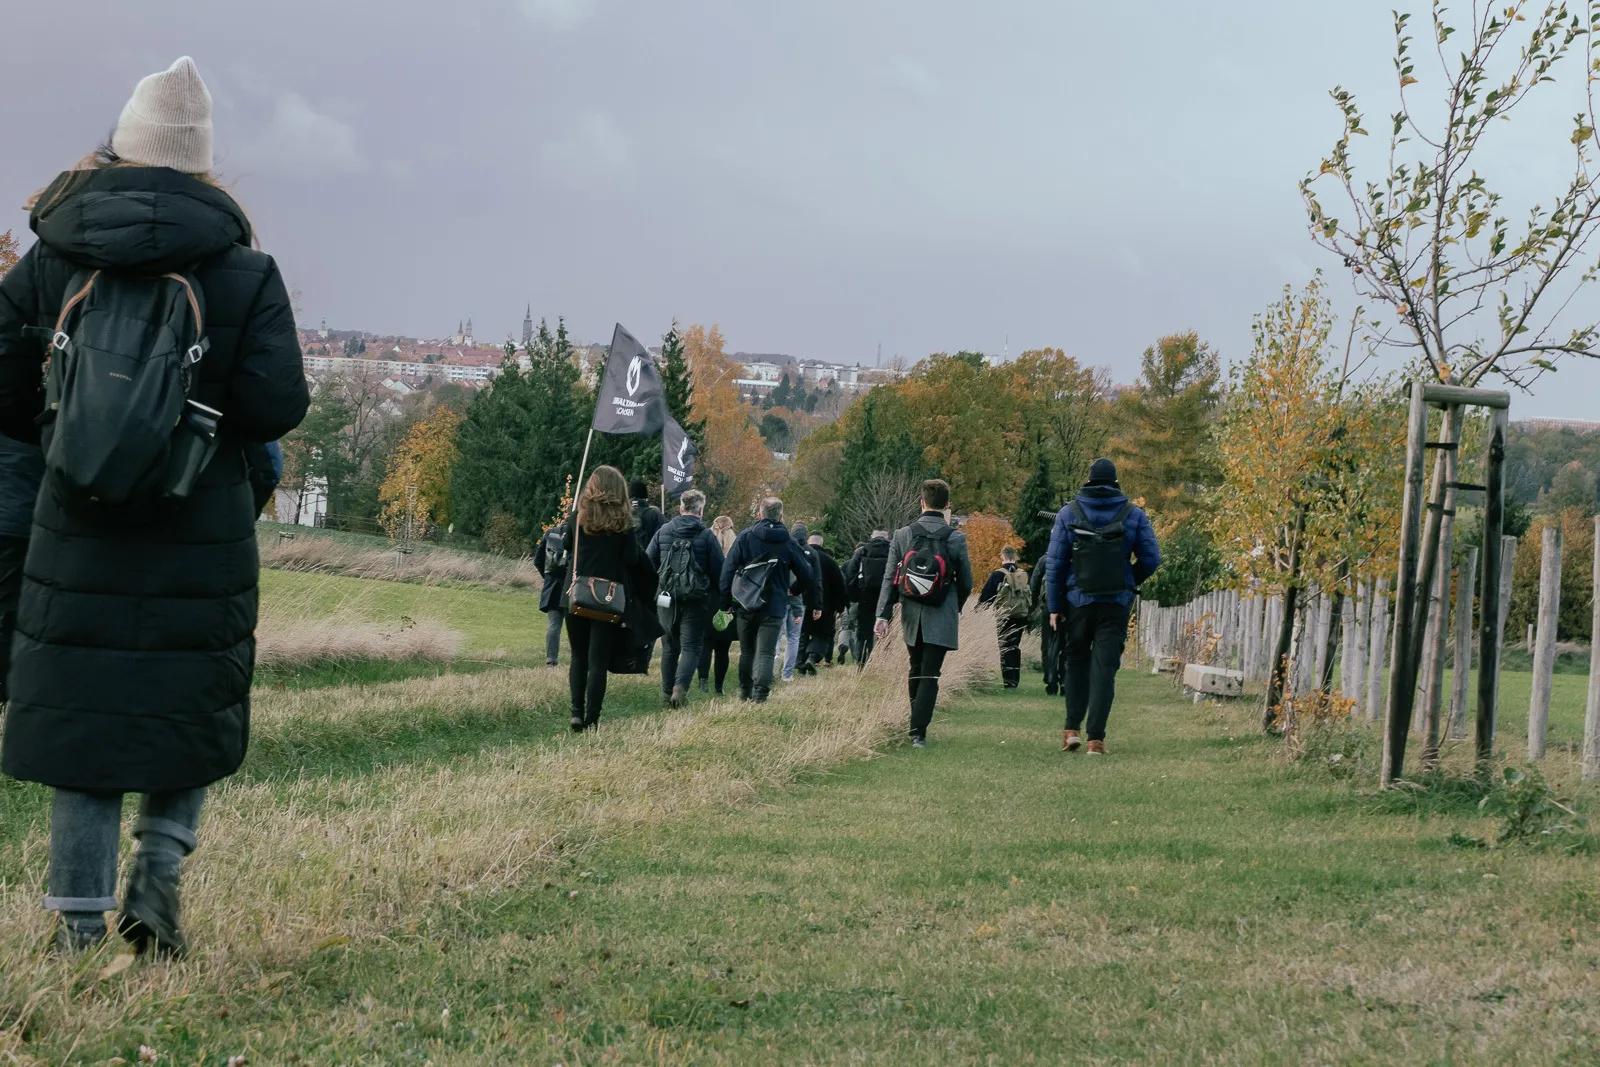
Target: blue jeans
point(792, 622)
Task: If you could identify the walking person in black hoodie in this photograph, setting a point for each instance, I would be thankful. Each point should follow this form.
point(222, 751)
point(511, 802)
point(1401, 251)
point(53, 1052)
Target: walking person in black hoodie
point(647, 518)
point(768, 555)
point(863, 577)
point(721, 632)
point(688, 561)
point(604, 555)
point(550, 560)
point(818, 630)
point(135, 634)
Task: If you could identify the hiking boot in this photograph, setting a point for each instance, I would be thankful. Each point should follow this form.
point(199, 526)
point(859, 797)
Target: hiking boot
point(577, 721)
point(1050, 691)
point(1097, 748)
point(76, 938)
point(1070, 740)
point(679, 697)
point(149, 919)
point(919, 742)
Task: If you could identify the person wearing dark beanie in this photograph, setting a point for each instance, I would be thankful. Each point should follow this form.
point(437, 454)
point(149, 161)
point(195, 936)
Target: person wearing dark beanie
point(647, 518)
point(1102, 548)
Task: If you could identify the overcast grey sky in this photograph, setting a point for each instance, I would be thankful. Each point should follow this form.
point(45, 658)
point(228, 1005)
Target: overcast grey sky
point(818, 177)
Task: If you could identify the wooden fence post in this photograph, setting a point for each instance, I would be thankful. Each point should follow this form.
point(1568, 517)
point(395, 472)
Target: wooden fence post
point(1591, 714)
point(1377, 643)
point(1461, 669)
point(1544, 654)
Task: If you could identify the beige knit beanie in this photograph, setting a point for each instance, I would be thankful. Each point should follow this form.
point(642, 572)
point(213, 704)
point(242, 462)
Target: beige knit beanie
point(167, 121)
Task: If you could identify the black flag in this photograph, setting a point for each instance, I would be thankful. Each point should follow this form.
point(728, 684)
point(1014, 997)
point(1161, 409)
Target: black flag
point(677, 458)
point(630, 399)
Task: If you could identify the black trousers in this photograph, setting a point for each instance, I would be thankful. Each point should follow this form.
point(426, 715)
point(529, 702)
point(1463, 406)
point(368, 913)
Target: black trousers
point(866, 639)
point(819, 637)
point(590, 643)
point(1051, 642)
point(12, 552)
point(683, 638)
point(1010, 631)
point(758, 643)
point(922, 684)
point(715, 653)
point(1096, 634)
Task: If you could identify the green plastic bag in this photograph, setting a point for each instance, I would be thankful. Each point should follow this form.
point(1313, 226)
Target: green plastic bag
point(721, 620)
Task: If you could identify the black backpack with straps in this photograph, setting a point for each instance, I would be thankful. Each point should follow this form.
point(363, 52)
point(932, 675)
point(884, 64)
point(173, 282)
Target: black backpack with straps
point(120, 424)
point(1100, 553)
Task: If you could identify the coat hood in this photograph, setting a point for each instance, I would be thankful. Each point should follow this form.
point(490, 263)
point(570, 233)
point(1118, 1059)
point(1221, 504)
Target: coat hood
point(772, 533)
point(685, 526)
point(1100, 503)
point(137, 219)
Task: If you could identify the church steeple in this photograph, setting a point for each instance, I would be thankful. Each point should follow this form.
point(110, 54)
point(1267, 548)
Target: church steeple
point(527, 326)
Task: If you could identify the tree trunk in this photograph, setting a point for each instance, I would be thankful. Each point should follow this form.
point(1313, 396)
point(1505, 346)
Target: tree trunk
point(1278, 668)
point(1591, 715)
point(1544, 653)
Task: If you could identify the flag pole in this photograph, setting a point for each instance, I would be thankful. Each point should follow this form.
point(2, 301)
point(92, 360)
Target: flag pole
point(582, 466)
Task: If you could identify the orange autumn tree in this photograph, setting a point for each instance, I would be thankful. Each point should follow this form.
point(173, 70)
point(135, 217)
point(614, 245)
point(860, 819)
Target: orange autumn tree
point(418, 483)
point(8, 252)
point(736, 467)
point(986, 536)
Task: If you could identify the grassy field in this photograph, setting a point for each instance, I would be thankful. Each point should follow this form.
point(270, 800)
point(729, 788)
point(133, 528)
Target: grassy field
point(433, 870)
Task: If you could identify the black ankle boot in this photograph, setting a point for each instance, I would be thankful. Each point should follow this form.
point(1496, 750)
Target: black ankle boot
point(149, 919)
point(577, 721)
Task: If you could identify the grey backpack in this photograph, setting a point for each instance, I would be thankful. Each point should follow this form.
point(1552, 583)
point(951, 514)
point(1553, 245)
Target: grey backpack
point(120, 424)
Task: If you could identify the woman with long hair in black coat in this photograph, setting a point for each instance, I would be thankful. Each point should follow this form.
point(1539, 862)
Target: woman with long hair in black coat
point(135, 633)
point(604, 549)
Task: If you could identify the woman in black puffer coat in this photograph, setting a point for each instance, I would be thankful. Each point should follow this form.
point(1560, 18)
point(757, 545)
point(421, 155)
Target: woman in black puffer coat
point(135, 641)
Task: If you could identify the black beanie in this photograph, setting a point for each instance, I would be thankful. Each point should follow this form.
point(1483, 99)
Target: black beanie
point(1102, 472)
point(637, 489)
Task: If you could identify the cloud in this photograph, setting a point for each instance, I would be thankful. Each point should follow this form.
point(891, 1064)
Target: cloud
point(557, 14)
point(595, 145)
point(299, 139)
point(912, 76)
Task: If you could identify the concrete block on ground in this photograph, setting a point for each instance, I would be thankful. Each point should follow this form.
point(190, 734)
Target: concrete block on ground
point(1217, 681)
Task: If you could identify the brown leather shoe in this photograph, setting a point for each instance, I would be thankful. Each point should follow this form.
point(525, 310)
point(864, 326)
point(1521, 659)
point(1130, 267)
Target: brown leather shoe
point(1070, 740)
point(1097, 748)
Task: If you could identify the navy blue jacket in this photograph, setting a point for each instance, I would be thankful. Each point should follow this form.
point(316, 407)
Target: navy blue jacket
point(770, 539)
point(707, 552)
point(1099, 504)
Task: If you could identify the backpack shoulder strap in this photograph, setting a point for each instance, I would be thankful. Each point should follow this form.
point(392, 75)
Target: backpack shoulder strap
point(1075, 514)
point(1122, 513)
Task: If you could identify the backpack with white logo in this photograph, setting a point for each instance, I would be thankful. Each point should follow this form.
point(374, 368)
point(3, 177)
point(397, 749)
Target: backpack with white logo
point(120, 424)
point(681, 576)
point(924, 573)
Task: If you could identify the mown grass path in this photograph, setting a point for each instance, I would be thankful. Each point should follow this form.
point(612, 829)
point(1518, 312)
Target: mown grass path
point(990, 899)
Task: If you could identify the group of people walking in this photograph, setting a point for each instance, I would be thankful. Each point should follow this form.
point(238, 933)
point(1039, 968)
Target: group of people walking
point(710, 587)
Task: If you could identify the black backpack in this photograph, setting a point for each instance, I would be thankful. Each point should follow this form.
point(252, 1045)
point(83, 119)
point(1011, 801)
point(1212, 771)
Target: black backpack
point(1099, 553)
point(681, 576)
point(924, 572)
point(120, 423)
point(869, 574)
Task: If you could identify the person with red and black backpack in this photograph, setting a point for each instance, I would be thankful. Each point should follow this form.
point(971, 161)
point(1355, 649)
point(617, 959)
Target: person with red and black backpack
point(1102, 548)
point(930, 576)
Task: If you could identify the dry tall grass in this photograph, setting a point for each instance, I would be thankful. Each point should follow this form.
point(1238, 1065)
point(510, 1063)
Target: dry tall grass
point(323, 555)
point(297, 630)
point(290, 869)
